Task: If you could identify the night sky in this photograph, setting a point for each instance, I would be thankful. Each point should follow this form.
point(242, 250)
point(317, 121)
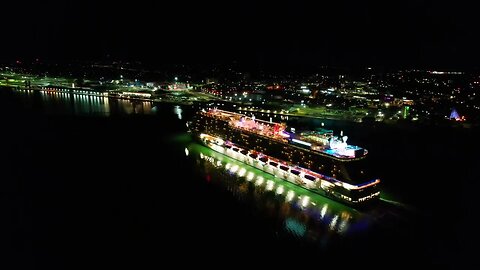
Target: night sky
point(407, 33)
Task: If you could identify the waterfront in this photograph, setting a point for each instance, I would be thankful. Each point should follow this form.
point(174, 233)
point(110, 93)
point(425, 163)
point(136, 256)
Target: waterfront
point(111, 179)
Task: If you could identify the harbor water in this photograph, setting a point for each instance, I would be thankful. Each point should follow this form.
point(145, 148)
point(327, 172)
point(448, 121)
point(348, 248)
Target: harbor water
point(91, 180)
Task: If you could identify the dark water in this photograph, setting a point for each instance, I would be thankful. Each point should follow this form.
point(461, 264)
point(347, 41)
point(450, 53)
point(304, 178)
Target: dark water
point(108, 183)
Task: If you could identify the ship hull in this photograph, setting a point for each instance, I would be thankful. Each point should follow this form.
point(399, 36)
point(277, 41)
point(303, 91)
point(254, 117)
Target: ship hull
point(265, 167)
point(317, 186)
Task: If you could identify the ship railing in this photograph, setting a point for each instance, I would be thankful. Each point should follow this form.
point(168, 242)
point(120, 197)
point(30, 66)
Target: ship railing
point(228, 115)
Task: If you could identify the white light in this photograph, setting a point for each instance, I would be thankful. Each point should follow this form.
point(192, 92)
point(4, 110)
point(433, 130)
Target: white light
point(334, 222)
point(323, 211)
point(302, 142)
point(186, 152)
point(259, 181)
point(305, 201)
point(242, 172)
point(290, 195)
point(234, 168)
point(228, 166)
point(280, 190)
point(250, 176)
point(342, 226)
point(178, 111)
point(347, 186)
point(270, 185)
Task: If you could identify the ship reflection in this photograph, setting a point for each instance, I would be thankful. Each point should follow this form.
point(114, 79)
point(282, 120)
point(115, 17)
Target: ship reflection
point(296, 211)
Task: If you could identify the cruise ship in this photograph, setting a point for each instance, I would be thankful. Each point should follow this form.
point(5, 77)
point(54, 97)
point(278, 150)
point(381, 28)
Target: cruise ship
point(315, 160)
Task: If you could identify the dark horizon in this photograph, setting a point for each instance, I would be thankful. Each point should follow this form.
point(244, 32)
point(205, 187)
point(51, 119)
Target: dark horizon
point(279, 36)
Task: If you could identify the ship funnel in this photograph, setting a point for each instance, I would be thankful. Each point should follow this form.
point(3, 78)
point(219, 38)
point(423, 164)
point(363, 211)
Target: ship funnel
point(344, 139)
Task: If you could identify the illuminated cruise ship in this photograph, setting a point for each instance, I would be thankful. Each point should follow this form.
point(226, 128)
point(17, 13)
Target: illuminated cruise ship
point(315, 160)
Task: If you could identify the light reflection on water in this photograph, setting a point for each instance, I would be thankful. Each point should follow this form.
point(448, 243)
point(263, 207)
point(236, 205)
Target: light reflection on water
point(301, 213)
point(78, 104)
point(178, 111)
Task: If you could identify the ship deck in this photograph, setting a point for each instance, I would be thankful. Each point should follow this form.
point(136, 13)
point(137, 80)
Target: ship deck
point(268, 130)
